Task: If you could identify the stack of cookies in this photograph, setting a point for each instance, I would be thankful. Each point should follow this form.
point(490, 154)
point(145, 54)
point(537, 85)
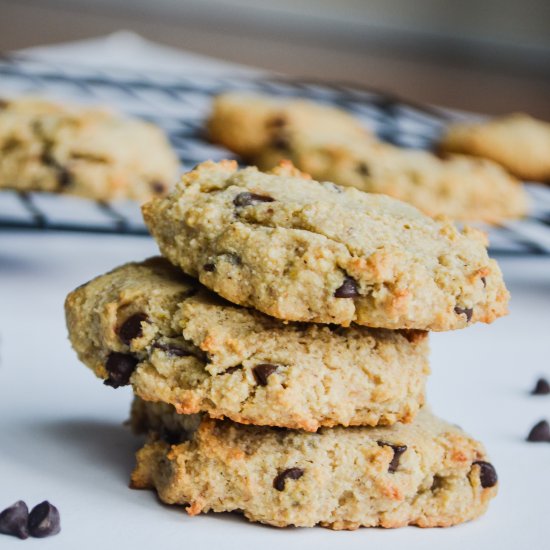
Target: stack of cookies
point(278, 351)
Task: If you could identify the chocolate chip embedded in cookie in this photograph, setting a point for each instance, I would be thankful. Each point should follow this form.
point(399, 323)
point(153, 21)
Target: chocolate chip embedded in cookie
point(427, 473)
point(312, 252)
point(147, 325)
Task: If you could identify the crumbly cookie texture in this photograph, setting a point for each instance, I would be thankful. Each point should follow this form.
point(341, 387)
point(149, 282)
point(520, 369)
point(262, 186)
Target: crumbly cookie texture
point(301, 250)
point(248, 123)
point(428, 473)
point(82, 151)
point(460, 187)
point(187, 347)
point(518, 142)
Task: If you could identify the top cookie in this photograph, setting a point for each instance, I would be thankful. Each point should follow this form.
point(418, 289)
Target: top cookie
point(82, 151)
point(320, 141)
point(249, 123)
point(518, 142)
point(301, 250)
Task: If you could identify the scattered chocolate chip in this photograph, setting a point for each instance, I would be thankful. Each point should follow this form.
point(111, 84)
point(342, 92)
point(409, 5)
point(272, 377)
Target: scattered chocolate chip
point(263, 372)
point(120, 367)
point(542, 387)
point(13, 520)
point(487, 474)
point(348, 289)
point(131, 328)
point(47, 158)
point(363, 169)
point(291, 473)
point(158, 187)
point(398, 450)
point(468, 311)
point(484, 281)
point(44, 520)
point(540, 432)
point(3, 103)
point(280, 142)
point(172, 349)
point(209, 267)
point(246, 199)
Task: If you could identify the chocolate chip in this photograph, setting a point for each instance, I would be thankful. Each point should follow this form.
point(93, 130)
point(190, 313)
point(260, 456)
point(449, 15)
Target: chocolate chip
point(64, 178)
point(291, 473)
point(540, 432)
point(348, 289)
point(280, 142)
point(131, 328)
point(363, 169)
point(120, 367)
point(542, 387)
point(4, 103)
point(158, 187)
point(13, 520)
point(209, 267)
point(246, 199)
point(172, 349)
point(398, 450)
point(484, 281)
point(171, 437)
point(468, 311)
point(487, 474)
point(277, 122)
point(44, 520)
point(231, 370)
point(263, 372)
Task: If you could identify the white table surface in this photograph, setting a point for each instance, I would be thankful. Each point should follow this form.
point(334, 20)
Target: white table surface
point(62, 439)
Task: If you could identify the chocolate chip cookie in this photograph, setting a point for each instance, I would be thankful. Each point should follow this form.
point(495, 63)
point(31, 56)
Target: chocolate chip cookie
point(82, 151)
point(460, 187)
point(301, 250)
point(428, 473)
point(248, 123)
point(518, 142)
point(175, 342)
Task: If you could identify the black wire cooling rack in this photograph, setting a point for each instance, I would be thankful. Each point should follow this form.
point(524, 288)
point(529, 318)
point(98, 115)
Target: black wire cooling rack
point(179, 104)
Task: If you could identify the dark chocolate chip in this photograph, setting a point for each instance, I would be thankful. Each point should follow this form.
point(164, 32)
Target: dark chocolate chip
point(348, 289)
point(291, 473)
point(158, 187)
point(47, 157)
point(13, 520)
point(363, 169)
point(246, 199)
point(487, 474)
point(44, 520)
point(277, 122)
point(542, 387)
point(540, 432)
point(209, 267)
point(4, 103)
point(120, 367)
point(172, 349)
point(468, 311)
point(398, 450)
point(484, 281)
point(64, 178)
point(263, 372)
point(280, 142)
point(131, 328)
point(231, 370)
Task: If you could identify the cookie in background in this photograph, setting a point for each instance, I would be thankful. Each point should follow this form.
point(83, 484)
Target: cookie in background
point(82, 151)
